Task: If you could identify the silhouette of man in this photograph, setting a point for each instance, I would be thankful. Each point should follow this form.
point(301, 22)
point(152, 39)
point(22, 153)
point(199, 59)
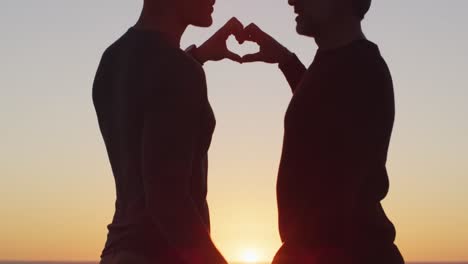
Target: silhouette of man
point(332, 175)
point(151, 102)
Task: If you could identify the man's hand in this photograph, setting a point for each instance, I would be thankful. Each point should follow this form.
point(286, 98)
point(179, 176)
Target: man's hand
point(215, 48)
point(271, 51)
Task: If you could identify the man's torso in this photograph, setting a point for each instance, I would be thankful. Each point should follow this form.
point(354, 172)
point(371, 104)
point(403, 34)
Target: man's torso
point(137, 62)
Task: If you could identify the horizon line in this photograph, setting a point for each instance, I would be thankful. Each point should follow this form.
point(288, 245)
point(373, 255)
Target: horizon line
point(230, 261)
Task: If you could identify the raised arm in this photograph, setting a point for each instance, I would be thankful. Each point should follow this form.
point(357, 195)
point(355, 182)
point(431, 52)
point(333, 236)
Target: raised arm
point(170, 124)
point(293, 70)
point(271, 51)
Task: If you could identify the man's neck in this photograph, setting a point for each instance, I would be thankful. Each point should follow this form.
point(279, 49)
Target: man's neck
point(339, 35)
point(162, 22)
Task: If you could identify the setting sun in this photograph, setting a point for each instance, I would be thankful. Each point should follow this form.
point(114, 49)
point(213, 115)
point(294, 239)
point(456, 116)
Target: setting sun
point(250, 256)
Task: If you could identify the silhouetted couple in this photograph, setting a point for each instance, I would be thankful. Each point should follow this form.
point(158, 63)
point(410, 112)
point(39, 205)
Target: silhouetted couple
point(151, 101)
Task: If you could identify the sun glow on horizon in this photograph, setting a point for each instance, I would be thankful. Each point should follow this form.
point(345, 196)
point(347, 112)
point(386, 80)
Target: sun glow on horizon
point(250, 256)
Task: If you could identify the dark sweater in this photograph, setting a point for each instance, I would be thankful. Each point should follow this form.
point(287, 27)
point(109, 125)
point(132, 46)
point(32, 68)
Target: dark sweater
point(332, 175)
point(156, 121)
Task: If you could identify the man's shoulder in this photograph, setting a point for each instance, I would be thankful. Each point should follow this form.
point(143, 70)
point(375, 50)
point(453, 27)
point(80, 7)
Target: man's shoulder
point(156, 61)
point(366, 62)
point(370, 56)
point(173, 73)
point(150, 52)
point(182, 63)
point(366, 72)
point(173, 63)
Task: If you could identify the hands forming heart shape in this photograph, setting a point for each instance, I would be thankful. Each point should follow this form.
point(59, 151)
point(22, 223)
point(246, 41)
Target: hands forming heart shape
point(215, 48)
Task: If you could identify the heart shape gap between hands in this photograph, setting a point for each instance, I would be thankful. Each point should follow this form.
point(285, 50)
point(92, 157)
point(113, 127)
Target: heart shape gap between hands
point(245, 48)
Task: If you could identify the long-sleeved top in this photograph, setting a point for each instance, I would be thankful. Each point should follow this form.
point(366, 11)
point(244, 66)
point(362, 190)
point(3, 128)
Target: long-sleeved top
point(157, 124)
point(332, 175)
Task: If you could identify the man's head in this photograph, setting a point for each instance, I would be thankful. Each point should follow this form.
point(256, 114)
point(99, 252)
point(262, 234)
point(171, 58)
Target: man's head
point(315, 16)
point(190, 12)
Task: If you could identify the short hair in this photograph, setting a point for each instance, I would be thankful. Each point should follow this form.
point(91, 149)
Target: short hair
point(361, 7)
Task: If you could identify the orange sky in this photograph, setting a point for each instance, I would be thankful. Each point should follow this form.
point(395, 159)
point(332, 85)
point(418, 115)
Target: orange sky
point(56, 187)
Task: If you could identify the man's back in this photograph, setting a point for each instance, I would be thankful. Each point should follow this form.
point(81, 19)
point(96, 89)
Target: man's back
point(134, 77)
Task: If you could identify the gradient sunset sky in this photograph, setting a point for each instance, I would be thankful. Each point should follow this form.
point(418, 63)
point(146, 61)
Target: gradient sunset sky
point(56, 188)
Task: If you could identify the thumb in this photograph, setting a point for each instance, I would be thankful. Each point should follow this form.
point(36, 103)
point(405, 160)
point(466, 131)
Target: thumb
point(232, 56)
point(254, 57)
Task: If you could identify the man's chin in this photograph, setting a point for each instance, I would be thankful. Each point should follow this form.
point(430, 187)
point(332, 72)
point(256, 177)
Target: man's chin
point(207, 22)
point(304, 30)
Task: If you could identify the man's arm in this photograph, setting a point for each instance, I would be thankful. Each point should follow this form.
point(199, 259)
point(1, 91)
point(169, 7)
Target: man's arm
point(170, 124)
point(271, 51)
point(293, 70)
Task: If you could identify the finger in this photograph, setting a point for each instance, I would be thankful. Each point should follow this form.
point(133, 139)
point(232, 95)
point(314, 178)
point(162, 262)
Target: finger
point(234, 57)
point(254, 33)
point(240, 37)
point(235, 23)
point(237, 29)
point(255, 57)
point(232, 27)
